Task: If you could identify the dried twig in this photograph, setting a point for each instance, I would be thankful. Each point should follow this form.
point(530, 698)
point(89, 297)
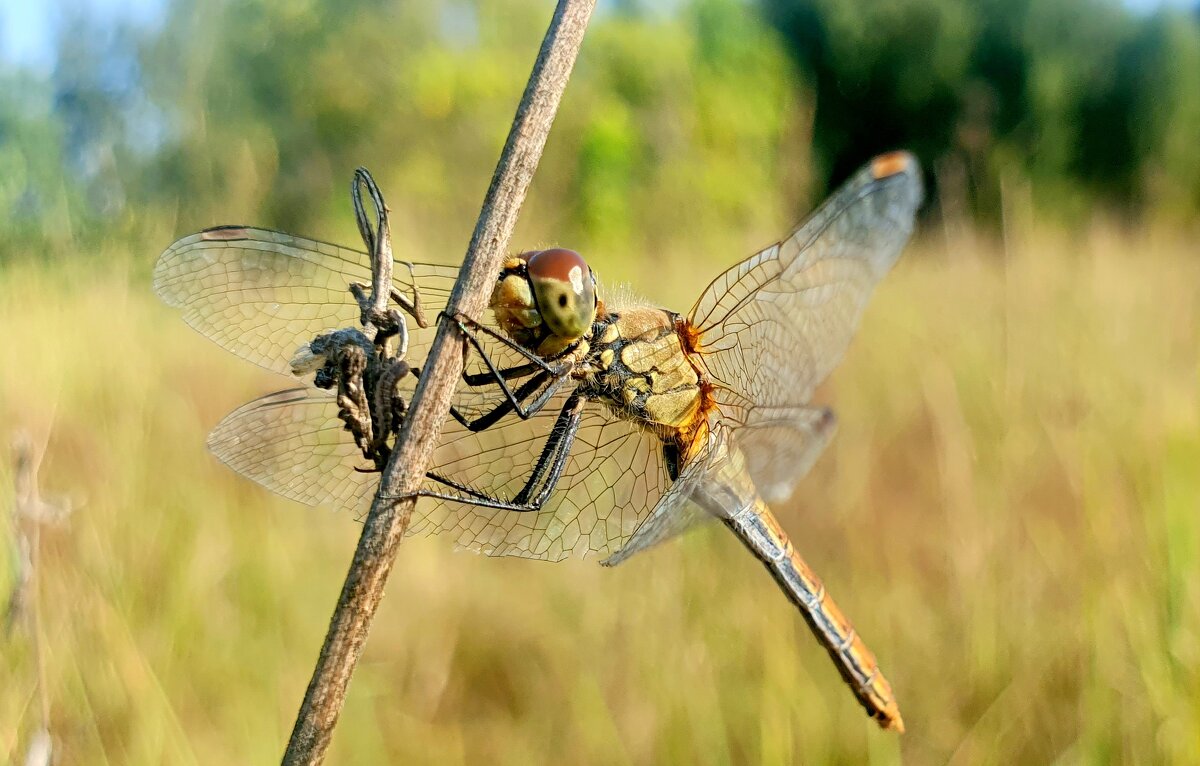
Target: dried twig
point(364, 366)
point(29, 514)
point(388, 518)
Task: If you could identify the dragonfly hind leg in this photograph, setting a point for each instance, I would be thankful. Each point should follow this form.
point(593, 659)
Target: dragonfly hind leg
point(542, 480)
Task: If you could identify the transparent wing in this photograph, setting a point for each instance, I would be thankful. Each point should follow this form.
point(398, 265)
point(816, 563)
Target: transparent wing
point(261, 294)
point(714, 484)
point(615, 474)
point(292, 443)
point(675, 513)
point(773, 327)
point(781, 444)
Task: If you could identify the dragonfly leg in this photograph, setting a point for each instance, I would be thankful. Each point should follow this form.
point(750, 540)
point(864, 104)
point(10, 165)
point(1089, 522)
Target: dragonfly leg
point(472, 329)
point(557, 373)
point(477, 379)
point(543, 478)
point(514, 401)
point(553, 460)
point(523, 411)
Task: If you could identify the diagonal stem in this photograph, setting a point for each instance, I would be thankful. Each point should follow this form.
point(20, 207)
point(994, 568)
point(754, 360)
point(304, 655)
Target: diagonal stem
point(388, 518)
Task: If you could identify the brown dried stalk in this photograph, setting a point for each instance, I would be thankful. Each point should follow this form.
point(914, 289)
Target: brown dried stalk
point(29, 514)
point(388, 518)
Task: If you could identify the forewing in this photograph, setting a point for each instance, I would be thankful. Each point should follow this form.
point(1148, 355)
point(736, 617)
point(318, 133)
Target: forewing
point(613, 477)
point(773, 327)
point(262, 294)
point(292, 443)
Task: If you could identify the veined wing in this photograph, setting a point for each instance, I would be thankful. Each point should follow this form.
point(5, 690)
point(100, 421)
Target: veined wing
point(614, 475)
point(676, 511)
point(781, 444)
point(292, 443)
point(262, 294)
point(774, 326)
point(712, 485)
point(778, 447)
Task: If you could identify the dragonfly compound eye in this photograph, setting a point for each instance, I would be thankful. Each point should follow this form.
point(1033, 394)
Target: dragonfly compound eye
point(565, 291)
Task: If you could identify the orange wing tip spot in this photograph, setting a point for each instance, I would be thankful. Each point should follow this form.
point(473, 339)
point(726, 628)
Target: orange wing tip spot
point(224, 233)
point(891, 164)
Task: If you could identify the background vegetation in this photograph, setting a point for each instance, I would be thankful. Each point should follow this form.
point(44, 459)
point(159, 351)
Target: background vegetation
point(1010, 513)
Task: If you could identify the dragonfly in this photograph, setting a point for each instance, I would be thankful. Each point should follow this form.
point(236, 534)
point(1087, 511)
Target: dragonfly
point(582, 425)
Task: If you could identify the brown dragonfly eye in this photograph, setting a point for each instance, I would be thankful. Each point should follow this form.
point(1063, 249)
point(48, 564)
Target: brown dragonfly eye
point(565, 292)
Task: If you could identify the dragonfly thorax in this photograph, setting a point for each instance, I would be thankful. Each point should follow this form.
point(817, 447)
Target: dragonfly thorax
point(638, 365)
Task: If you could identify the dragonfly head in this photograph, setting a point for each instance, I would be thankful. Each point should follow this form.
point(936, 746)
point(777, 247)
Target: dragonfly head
point(545, 292)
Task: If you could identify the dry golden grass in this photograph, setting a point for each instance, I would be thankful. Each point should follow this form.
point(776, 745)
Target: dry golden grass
point(1010, 513)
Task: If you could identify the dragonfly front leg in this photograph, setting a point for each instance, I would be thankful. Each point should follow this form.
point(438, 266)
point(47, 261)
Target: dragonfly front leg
point(471, 331)
point(557, 374)
point(542, 480)
point(551, 377)
point(514, 402)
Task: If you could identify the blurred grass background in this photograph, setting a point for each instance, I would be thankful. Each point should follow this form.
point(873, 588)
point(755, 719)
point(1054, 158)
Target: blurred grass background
point(1010, 512)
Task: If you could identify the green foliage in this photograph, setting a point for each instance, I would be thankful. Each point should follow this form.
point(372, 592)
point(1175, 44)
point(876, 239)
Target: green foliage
point(1091, 102)
point(704, 118)
point(263, 108)
point(31, 184)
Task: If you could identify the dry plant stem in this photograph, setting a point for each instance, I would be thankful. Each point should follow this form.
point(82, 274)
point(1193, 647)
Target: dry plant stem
point(388, 518)
point(30, 513)
point(379, 245)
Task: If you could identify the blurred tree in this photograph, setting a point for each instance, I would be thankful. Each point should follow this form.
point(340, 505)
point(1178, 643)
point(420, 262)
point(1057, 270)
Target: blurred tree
point(681, 123)
point(1165, 98)
point(886, 75)
point(1077, 95)
point(674, 121)
point(685, 122)
point(66, 141)
point(32, 188)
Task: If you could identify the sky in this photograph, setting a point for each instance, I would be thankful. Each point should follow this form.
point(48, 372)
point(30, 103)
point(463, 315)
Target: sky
point(27, 26)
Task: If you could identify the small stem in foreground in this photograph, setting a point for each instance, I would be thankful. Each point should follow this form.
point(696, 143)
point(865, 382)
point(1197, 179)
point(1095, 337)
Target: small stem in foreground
point(29, 514)
point(388, 518)
point(379, 245)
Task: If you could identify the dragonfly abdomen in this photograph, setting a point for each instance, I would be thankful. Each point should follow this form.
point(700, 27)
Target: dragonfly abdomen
point(757, 528)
